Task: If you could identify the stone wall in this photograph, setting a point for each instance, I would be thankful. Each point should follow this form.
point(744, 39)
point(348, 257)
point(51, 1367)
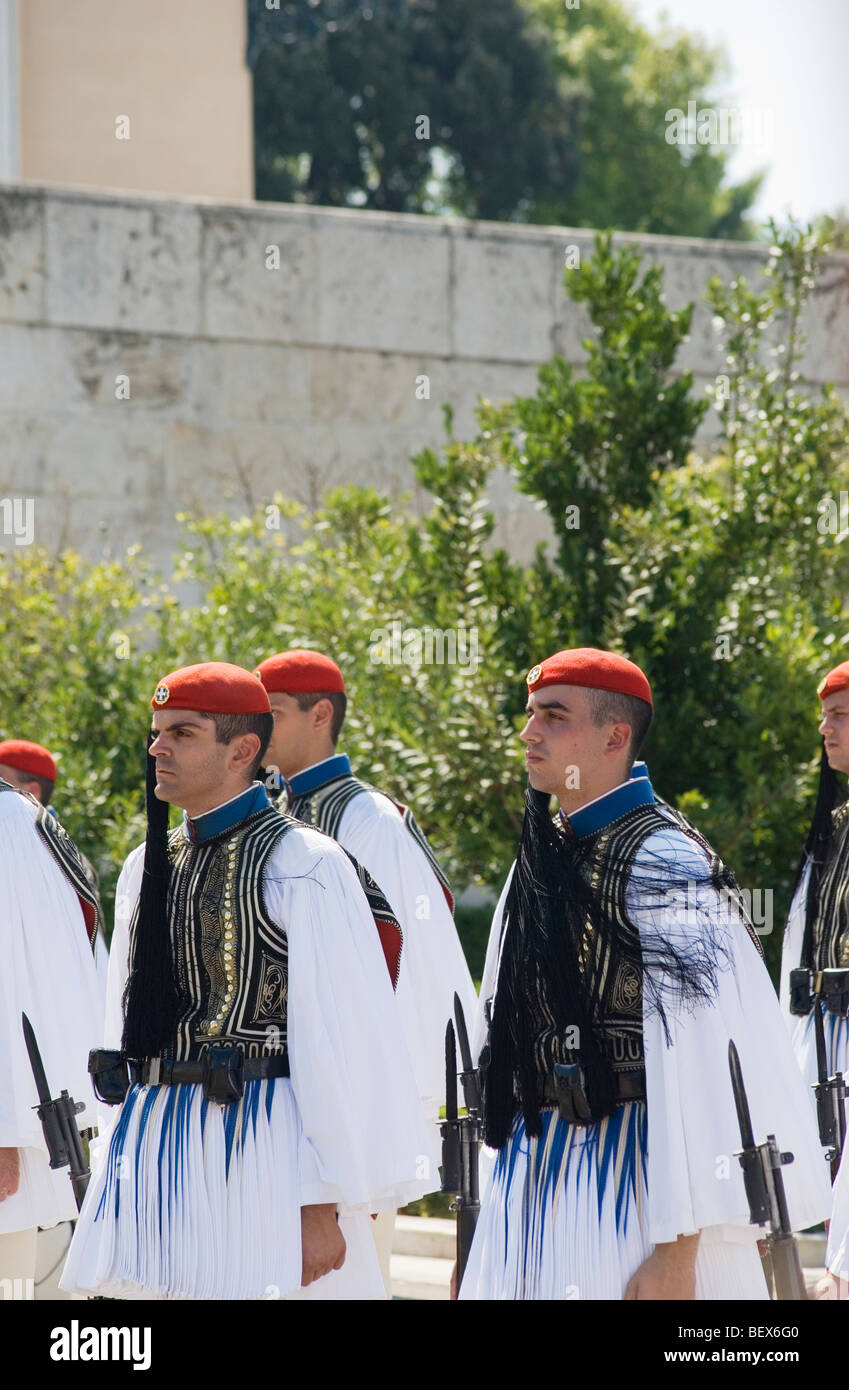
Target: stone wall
point(244, 379)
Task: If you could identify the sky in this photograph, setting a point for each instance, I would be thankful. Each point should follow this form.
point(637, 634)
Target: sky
point(791, 59)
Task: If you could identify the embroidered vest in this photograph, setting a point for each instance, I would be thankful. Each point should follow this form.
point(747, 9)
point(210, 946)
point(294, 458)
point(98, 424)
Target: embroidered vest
point(324, 807)
point(606, 859)
point(831, 925)
point(231, 963)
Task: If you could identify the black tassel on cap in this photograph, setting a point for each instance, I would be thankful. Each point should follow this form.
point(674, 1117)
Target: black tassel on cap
point(150, 998)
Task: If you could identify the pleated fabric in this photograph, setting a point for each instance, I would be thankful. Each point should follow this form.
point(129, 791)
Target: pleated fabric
point(791, 947)
point(803, 1036)
point(199, 1201)
point(433, 966)
point(837, 1253)
point(836, 1033)
point(728, 1266)
point(801, 1026)
point(695, 1182)
point(565, 1217)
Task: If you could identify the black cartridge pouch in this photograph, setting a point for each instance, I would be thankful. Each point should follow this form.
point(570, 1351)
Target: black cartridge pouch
point(801, 995)
point(570, 1088)
point(223, 1080)
point(835, 991)
point(109, 1074)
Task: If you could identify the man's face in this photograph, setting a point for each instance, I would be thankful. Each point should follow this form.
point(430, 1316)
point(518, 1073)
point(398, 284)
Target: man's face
point(834, 728)
point(21, 780)
point(566, 754)
point(292, 737)
point(191, 767)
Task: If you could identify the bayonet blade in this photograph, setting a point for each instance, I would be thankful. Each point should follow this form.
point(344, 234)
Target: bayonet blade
point(462, 1034)
point(740, 1100)
point(35, 1062)
point(471, 1089)
point(450, 1073)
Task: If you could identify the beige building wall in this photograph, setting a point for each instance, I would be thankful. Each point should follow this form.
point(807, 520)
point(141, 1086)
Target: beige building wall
point(174, 68)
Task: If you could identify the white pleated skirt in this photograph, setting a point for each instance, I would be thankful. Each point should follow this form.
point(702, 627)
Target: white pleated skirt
point(195, 1200)
point(836, 1034)
point(564, 1217)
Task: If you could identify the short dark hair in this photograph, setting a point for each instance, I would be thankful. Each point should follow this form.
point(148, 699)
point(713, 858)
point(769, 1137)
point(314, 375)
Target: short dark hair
point(46, 785)
point(230, 726)
point(338, 700)
point(609, 707)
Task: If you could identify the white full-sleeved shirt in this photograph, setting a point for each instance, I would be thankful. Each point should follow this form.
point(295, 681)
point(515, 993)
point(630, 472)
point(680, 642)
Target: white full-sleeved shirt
point(47, 971)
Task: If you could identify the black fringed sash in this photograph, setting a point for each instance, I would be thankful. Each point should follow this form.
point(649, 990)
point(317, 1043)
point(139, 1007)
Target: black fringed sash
point(575, 975)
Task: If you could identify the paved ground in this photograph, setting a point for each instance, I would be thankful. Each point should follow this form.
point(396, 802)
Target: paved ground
point(422, 1257)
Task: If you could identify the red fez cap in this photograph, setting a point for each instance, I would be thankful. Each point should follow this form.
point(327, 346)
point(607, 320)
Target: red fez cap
point(592, 668)
point(300, 672)
point(213, 687)
point(838, 679)
point(28, 757)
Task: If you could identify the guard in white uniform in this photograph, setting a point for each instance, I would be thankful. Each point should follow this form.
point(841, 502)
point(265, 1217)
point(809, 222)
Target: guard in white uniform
point(620, 964)
point(47, 925)
point(815, 959)
point(307, 694)
point(271, 1104)
point(32, 768)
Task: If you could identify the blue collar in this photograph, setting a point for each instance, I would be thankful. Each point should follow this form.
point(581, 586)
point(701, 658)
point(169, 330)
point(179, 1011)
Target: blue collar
point(640, 772)
point(319, 773)
point(225, 816)
point(599, 813)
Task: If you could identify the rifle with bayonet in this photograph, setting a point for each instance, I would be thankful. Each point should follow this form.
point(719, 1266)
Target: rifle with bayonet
point(830, 1091)
point(461, 1136)
point(63, 1139)
point(764, 1183)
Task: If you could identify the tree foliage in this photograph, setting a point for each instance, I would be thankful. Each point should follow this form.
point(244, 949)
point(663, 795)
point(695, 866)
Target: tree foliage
point(631, 177)
point(589, 443)
point(79, 643)
point(736, 556)
point(337, 118)
point(714, 568)
point(537, 112)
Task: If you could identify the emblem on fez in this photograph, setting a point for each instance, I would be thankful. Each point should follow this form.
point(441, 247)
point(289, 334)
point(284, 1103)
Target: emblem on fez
point(162, 695)
point(534, 675)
